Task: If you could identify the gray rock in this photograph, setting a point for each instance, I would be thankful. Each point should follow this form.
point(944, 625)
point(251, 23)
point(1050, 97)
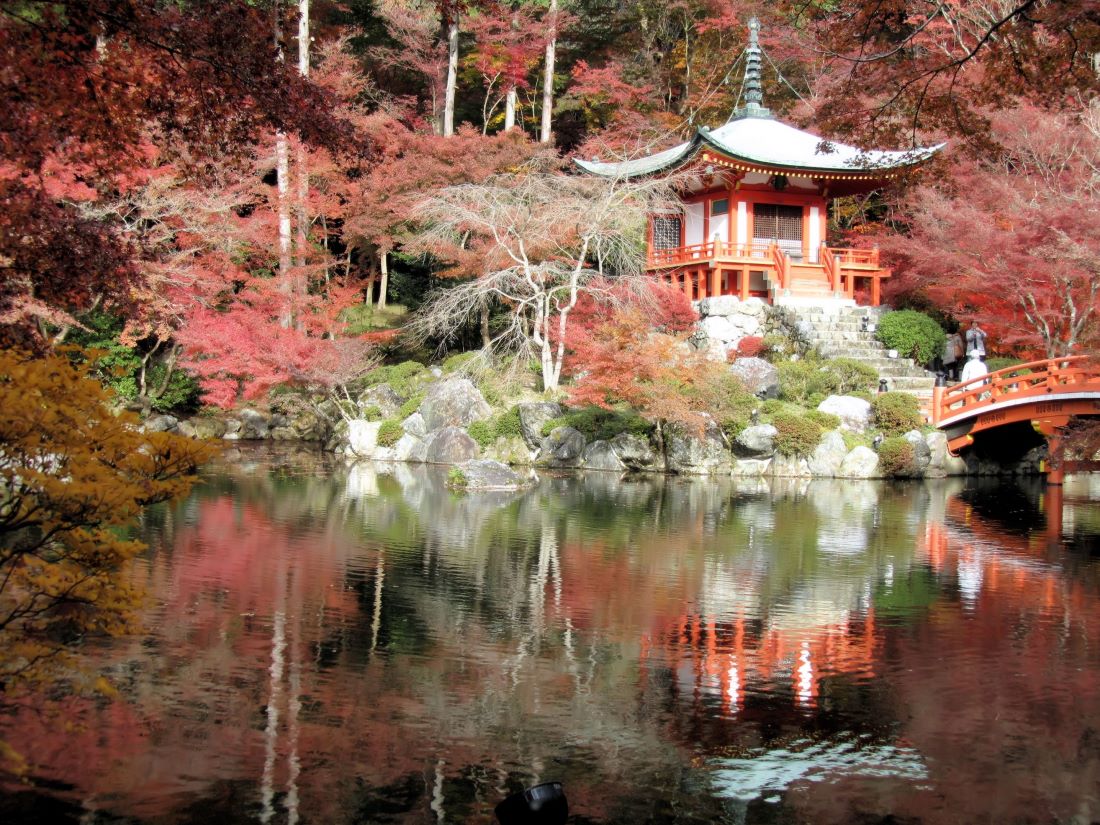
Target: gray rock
point(862, 462)
point(160, 424)
point(362, 437)
point(854, 413)
point(719, 328)
point(690, 454)
point(757, 441)
point(759, 377)
point(279, 420)
point(636, 453)
point(202, 427)
point(511, 450)
point(410, 448)
point(384, 397)
point(600, 455)
point(937, 454)
point(564, 447)
point(531, 418)
point(414, 425)
point(455, 402)
point(720, 305)
point(253, 424)
point(789, 466)
point(922, 455)
point(283, 434)
point(828, 455)
point(309, 426)
point(450, 445)
point(491, 475)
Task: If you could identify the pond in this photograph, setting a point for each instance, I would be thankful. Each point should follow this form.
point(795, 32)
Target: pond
point(334, 644)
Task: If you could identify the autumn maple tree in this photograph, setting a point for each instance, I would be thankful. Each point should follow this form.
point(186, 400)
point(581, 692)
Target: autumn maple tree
point(1010, 239)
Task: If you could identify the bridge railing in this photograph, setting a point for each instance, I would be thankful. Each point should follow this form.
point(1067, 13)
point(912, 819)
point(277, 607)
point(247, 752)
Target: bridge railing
point(1036, 379)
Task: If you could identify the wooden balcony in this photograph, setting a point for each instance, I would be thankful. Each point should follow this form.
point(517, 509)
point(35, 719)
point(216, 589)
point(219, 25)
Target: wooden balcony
point(715, 268)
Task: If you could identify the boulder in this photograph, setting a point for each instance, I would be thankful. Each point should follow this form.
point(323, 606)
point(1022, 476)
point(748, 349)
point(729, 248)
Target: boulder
point(719, 306)
point(790, 466)
point(937, 454)
point(384, 397)
point(309, 426)
point(414, 425)
point(455, 402)
point(450, 445)
point(232, 429)
point(491, 475)
point(922, 455)
point(410, 448)
point(759, 377)
point(719, 328)
point(533, 416)
point(636, 453)
point(690, 454)
point(752, 306)
point(600, 455)
point(828, 455)
point(362, 437)
point(282, 434)
point(160, 424)
point(862, 462)
point(202, 427)
point(278, 420)
point(564, 447)
point(757, 441)
point(254, 424)
point(854, 413)
point(511, 450)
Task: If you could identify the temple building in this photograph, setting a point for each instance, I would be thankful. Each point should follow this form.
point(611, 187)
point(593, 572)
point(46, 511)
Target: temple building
point(755, 208)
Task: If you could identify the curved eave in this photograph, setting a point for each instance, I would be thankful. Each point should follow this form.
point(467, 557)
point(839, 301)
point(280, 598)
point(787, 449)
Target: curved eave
point(665, 161)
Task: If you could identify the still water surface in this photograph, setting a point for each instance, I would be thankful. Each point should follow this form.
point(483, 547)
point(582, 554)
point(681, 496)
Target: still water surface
point(333, 644)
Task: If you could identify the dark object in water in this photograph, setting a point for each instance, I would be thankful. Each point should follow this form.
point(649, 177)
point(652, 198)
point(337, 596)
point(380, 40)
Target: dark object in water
point(543, 804)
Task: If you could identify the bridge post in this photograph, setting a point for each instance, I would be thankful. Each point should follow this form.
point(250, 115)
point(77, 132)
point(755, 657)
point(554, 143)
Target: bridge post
point(1054, 466)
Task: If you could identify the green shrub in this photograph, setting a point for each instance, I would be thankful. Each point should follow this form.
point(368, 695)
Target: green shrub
point(796, 435)
point(852, 376)
point(810, 380)
point(827, 421)
point(456, 478)
point(482, 432)
point(454, 363)
point(913, 334)
point(508, 425)
point(390, 432)
point(598, 424)
point(410, 406)
point(994, 364)
point(403, 378)
point(896, 457)
point(372, 413)
point(896, 412)
point(774, 406)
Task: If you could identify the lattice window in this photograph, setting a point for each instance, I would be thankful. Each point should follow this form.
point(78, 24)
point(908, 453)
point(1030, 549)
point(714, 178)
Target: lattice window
point(666, 232)
point(773, 222)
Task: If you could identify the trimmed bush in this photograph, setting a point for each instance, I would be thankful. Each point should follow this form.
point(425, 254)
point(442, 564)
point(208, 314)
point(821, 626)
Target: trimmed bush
point(853, 377)
point(372, 413)
point(796, 435)
point(390, 432)
point(827, 421)
point(454, 363)
point(751, 346)
point(896, 412)
point(896, 457)
point(410, 406)
point(598, 424)
point(507, 424)
point(913, 334)
point(482, 432)
point(403, 378)
point(456, 478)
point(809, 381)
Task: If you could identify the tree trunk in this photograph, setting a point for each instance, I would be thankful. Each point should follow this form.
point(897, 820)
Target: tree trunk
point(302, 172)
point(452, 77)
point(510, 109)
point(383, 260)
point(486, 340)
point(548, 74)
point(282, 174)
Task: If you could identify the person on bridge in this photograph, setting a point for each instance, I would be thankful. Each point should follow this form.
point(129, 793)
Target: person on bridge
point(975, 340)
point(975, 367)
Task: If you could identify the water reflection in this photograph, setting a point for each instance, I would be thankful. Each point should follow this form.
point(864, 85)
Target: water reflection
point(360, 644)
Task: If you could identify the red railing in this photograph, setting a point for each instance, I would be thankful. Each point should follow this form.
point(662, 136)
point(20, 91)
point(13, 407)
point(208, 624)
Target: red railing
point(708, 251)
point(782, 264)
point(832, 270)
point(1038, 379)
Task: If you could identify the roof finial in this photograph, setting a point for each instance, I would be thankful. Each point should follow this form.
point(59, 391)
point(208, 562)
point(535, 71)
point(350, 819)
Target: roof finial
point(754, 93)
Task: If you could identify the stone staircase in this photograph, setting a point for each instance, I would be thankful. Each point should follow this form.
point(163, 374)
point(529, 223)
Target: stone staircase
point(837, 332)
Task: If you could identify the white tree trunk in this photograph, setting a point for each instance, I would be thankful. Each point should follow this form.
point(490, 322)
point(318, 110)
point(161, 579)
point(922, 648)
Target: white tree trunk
point(452, 78)
point(383, 260)
point(510, 110)
point(548, 74)
point(282, 179)
point(303, 171)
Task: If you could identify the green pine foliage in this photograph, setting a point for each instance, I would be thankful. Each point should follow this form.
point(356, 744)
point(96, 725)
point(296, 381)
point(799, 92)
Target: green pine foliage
point(797, 435)
point(390, 432)
point(896, 457)
point(896, 412)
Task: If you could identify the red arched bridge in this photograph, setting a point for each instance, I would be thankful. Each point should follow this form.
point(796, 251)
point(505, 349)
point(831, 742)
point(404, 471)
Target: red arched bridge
point(1045, 393)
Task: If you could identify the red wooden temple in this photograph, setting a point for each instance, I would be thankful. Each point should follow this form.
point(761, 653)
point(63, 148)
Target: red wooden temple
point(755, 210)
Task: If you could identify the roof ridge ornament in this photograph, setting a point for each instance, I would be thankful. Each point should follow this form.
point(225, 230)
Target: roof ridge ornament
point(754, 91)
